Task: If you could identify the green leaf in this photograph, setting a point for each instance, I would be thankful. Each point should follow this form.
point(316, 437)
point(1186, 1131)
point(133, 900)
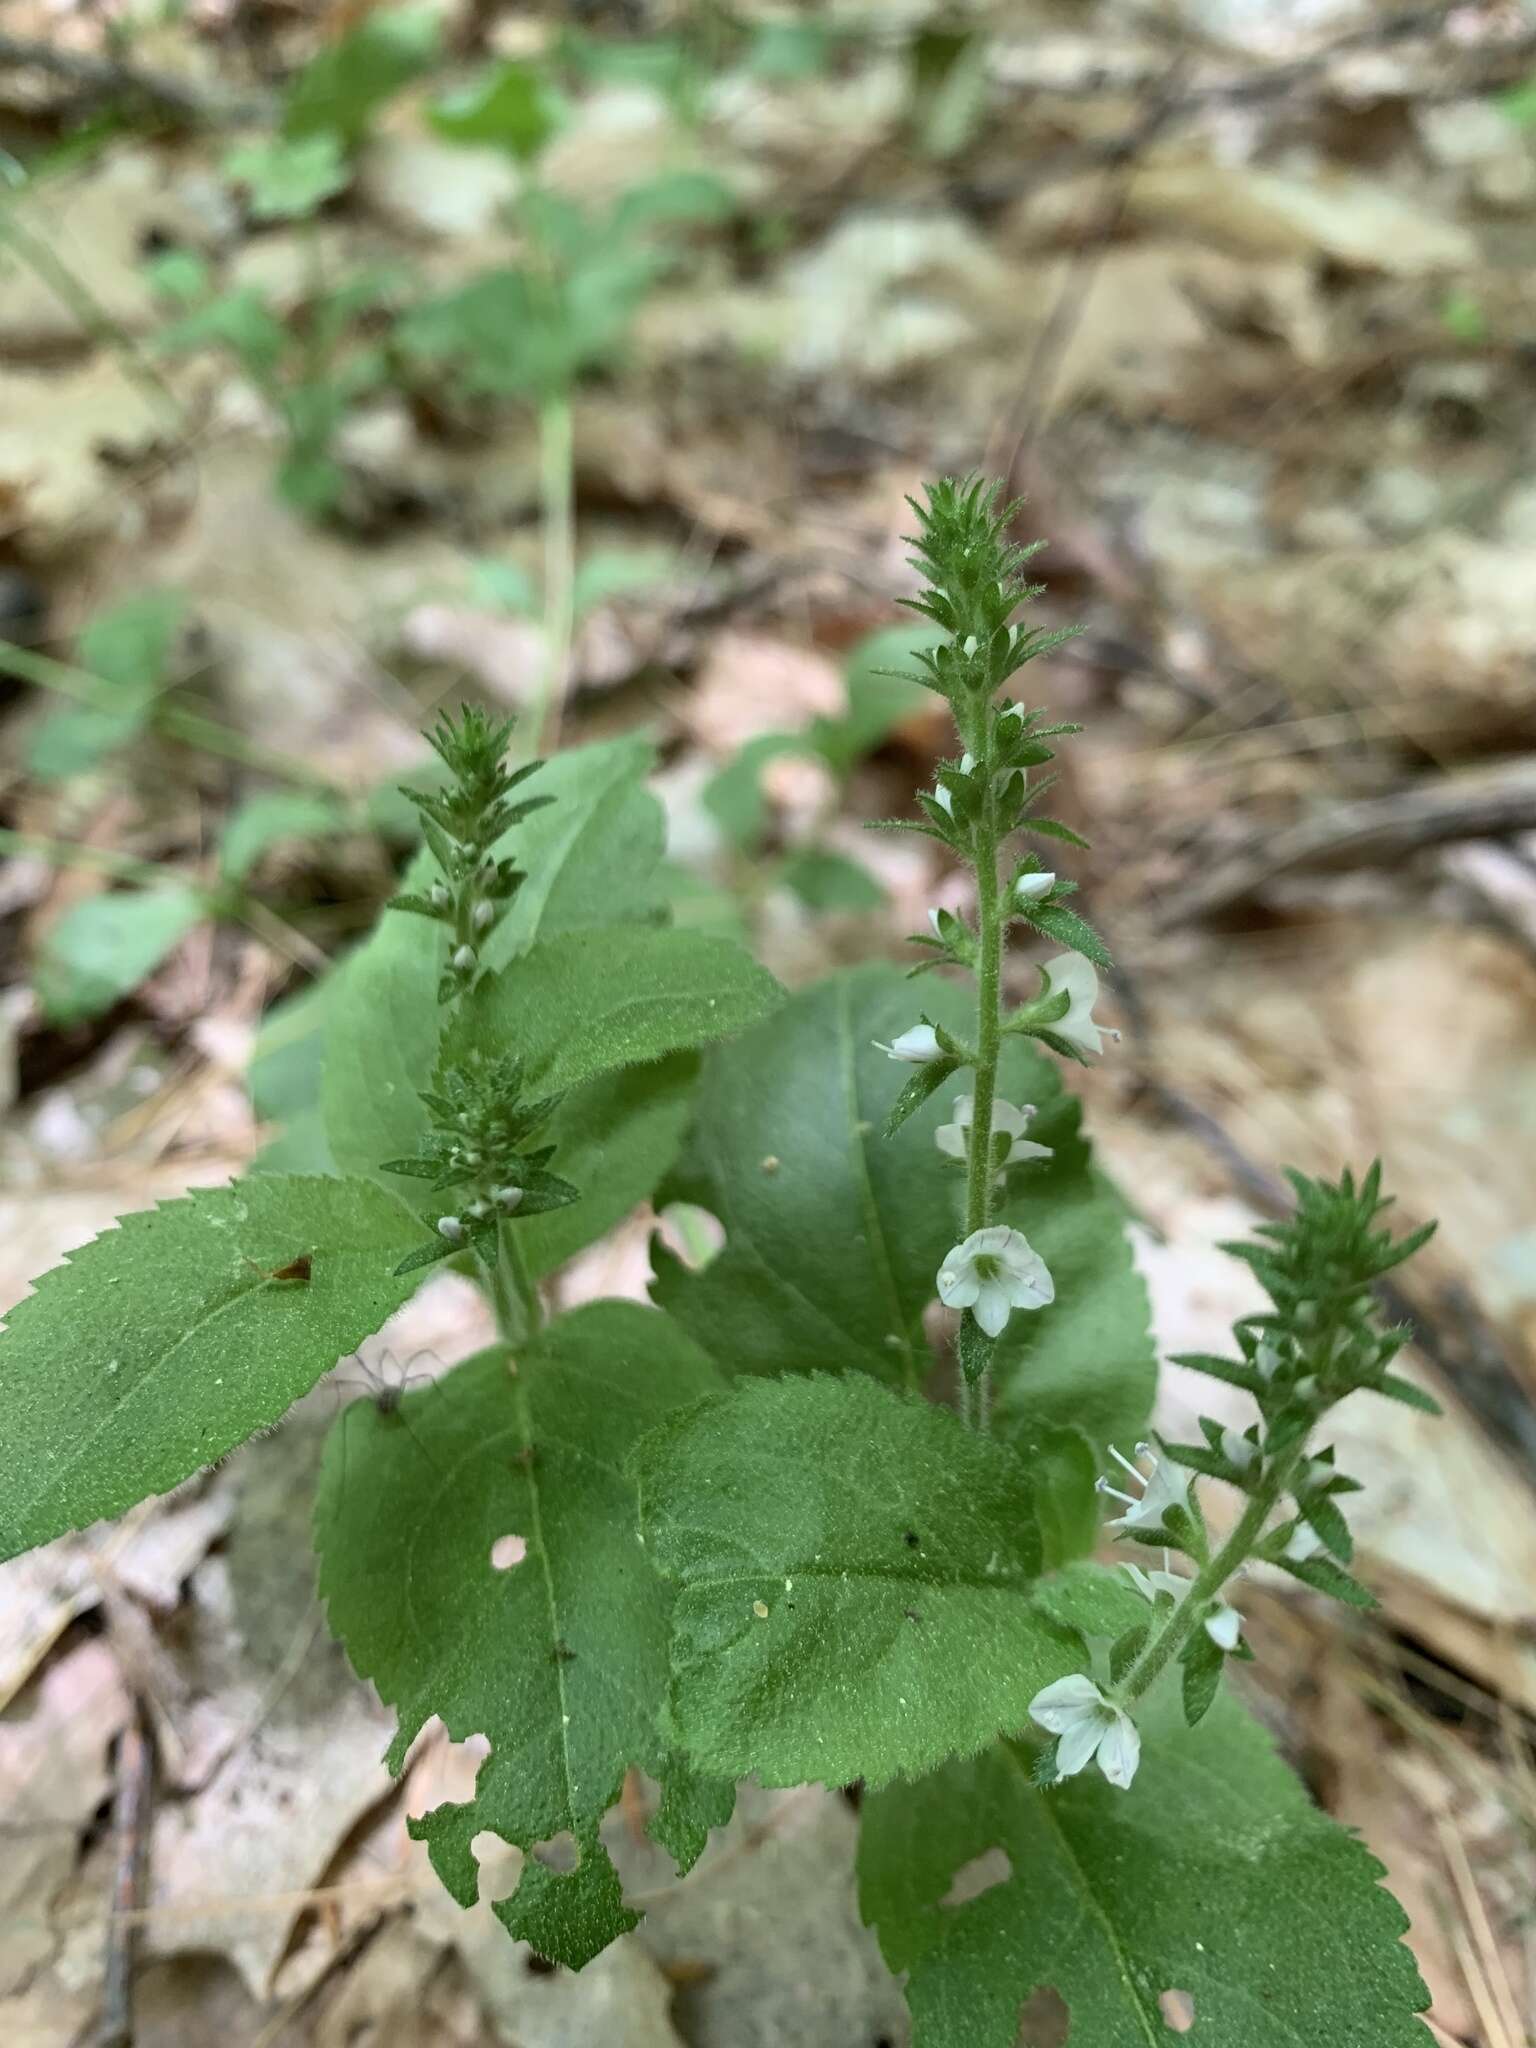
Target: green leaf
point(284, 1078)
point(164, 1342)
point(834, 1233)
point(106, 945)
point(239, 321)
point(127, 651)
point(1201, 1660)
point(510, 107)
point(591, 858)
point(1092, 1600)
point(831, 882)
point(1213, 1875)
point(881, 694)
point(263, 821)
point(587, 1003)
point(504, 587)
point(614, 1139)
point(1088, 1361)
point(610, 573)
point(559, 1660)
point(289, 177)
point(854, 1575)
point(338, 91)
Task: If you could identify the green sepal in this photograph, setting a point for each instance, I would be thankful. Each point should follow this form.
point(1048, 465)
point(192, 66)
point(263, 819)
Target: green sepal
point(1398, 1389)
point(1325, 1518)
point(1202, 1661)
point(1231, 1370)
point(917, 1091)
point(1325, 1577)
point(973, 1348)
point(1066, 928)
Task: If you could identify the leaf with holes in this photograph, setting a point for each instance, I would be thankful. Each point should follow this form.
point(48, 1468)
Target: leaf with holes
point(1213, 1876)
point(834, 1232)
point(164, 1342)
point(553, 1645)
point(854, 1570)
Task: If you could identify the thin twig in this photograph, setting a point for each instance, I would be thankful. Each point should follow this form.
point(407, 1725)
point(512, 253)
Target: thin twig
point(130, 1822)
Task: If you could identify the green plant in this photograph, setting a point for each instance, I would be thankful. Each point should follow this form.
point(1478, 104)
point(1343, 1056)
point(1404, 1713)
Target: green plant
point(730, 1533)
point(312, 368)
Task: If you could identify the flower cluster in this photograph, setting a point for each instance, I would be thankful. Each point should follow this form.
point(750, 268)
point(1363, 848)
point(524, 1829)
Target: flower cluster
point(461, 825)
point(1320, 1341)
point(479, 1146)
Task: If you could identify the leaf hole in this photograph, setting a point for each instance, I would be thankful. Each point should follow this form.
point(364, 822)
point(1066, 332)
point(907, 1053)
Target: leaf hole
point(501, 1865)
point(507, 1551)
point(1177, 2009)
point(1044, 2020)
point(981, 1874)
point(561, 1853)
point(691, 1234)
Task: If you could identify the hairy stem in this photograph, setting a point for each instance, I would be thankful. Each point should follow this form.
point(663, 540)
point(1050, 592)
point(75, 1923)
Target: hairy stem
point(514, 1292)
point(557, 506)
point(1208, 1582)
point(981, 1173)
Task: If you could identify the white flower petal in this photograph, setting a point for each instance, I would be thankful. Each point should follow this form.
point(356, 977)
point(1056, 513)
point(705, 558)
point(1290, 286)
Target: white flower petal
point(958, 1284)
point(992, 1308)
point(1120, 1751)
point(1063, 1700)
point(1076, 1745)
point(1224, 1627)
point(917, 1045)
point(1074, 974)
point(953, 1140)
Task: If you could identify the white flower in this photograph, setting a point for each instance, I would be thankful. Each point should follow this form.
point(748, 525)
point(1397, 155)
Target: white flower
point(1302, 1543)
point(994, 1272)
point(1266, 1360)
point(1030, 888)
point(1087, 1725)
point(954, 1140)
point(917, 1045)
point(1164, 1487)
point(943, 799)
point(1074, 973)
point(1239, 1451)
point(1224, 1625)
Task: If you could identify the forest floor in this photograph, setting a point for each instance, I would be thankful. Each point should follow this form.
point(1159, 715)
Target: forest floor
point(1237, 293)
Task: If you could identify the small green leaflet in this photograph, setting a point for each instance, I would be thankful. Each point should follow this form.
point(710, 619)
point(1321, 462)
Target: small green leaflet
point(855, 1571)
point(264, 821)
point(559, 1660)
point(1213, 1875)
point(126, 653)
point(164, 1342)
point(834, 1232)
point(587, 1003)
point(102, 949)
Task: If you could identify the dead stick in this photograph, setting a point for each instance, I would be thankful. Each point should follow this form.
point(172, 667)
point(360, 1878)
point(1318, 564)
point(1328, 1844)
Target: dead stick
point(130, 1825)
point(1373, 832)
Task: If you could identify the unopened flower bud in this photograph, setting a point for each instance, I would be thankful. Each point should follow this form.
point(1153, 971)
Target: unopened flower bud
point(917, 1045)
point(479, 1210)
point(1030, 888)
point(439, 896)
point(510, 1198)
point(482, 916)
point(451, 1228)
point(464, 959)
